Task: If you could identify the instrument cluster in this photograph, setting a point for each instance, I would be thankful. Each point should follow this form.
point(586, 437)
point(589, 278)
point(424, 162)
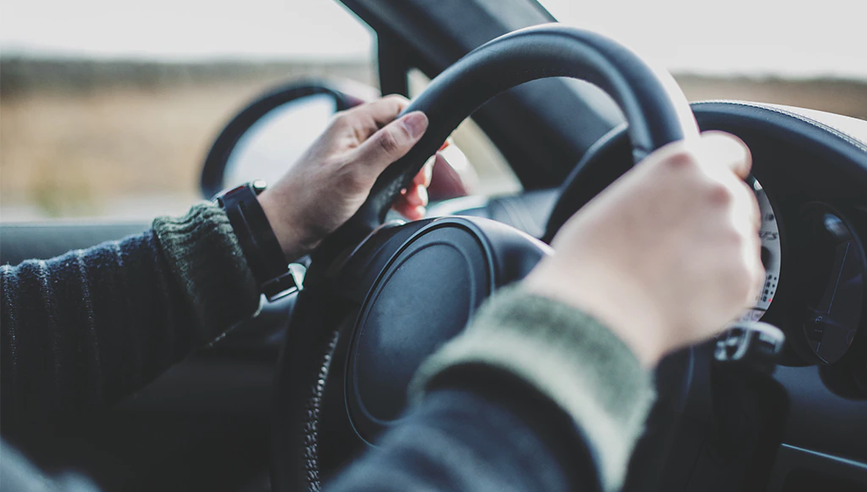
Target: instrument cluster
point(816, 260)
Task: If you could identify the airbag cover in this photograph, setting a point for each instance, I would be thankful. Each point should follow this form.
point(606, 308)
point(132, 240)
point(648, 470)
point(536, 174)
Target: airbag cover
point(423, 298)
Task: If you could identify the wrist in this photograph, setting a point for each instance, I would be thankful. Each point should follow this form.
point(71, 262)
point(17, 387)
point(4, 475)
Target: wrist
point(257, 239)
point(293, 237)
point(621, 305)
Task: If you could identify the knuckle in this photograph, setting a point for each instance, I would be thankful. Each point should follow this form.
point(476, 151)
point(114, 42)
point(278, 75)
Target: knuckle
point(682, 160)
point(720, 194)
point(388, 142)
point(395, 98)
point(341, 118)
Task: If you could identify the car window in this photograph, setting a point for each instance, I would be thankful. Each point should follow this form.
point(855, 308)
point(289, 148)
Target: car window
point(757, 50)
point(107, 109)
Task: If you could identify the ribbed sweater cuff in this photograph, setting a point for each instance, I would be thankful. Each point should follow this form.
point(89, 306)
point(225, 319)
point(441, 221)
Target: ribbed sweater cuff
point(207, 262)
point(569, 357)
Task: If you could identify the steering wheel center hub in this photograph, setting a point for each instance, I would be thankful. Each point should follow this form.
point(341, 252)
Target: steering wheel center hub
point(424, 297)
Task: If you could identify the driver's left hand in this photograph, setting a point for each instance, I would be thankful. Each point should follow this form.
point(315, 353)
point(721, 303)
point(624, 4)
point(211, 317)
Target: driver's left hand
point(334, 176)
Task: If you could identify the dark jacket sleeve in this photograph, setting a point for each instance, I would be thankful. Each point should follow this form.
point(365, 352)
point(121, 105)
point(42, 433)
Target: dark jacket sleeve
point(88, 328)
point(479, 432)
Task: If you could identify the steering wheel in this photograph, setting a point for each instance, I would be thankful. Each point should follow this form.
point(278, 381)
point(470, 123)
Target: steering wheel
point(379, 298)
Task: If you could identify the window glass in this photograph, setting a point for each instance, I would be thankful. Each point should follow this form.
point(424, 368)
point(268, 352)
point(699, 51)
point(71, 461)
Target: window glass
point(107, 109)
point(808, 55)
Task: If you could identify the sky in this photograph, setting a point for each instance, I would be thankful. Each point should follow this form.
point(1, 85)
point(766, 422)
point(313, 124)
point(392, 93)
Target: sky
point(794, 38)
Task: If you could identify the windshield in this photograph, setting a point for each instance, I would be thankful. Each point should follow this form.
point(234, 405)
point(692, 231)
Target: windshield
point(755, 38)
point(107, 109)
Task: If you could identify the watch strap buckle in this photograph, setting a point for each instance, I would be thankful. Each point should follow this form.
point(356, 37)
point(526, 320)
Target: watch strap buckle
point(287, 283)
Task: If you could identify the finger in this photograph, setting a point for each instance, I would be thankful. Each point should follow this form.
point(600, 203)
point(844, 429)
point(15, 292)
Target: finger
point(416, 196)
point(409, 211)
point(385, 110)
point(425, 175)
point(746, 210)
point(370, 117)
point(746, 217)
point(756, 210)
point(728, 150)
point(392, 142)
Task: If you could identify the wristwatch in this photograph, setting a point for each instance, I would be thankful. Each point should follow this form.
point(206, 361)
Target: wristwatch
point(257, 239)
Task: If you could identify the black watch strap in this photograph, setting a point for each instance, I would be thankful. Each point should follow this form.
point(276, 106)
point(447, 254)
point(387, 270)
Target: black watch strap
point(256, 237)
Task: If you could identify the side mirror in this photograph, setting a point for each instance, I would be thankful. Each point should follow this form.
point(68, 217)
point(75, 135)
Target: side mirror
point(272, 132)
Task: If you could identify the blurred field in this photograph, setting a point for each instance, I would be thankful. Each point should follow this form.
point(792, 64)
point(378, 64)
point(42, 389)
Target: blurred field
point(127, 139)
point(119, 139)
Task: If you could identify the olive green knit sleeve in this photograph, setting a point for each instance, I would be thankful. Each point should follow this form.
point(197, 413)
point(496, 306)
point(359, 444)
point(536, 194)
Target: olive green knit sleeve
point(207, 262)
point(569, 357)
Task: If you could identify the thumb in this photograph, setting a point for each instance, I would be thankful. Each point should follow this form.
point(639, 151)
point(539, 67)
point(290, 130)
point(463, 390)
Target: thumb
point(392, 141)
point(727, 150)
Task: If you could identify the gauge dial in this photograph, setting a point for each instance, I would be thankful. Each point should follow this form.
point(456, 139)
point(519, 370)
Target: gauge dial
point(771, 254)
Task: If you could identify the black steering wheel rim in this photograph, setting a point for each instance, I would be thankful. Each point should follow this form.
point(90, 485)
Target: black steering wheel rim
point(652, 102)
point(657, 113)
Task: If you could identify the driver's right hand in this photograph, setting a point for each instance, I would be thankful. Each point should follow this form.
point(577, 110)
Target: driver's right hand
point(669, 253)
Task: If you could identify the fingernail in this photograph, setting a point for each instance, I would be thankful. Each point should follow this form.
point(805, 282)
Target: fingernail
point(415, 124)
point(428, 172)
point(422, 193)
